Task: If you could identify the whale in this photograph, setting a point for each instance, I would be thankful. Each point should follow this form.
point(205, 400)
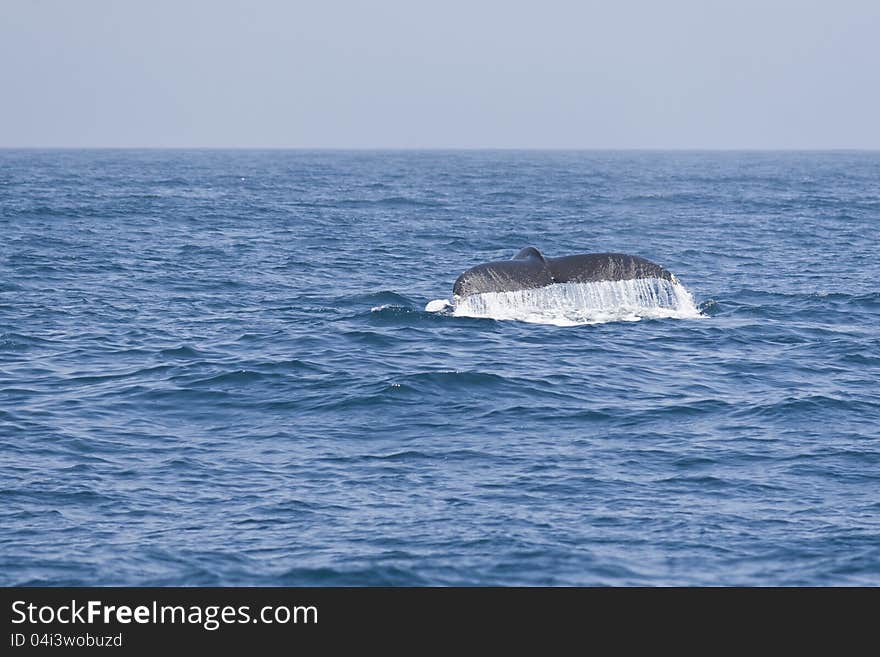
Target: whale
point(530, 269)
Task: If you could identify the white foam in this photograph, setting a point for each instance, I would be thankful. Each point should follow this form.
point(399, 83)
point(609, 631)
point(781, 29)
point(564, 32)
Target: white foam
point(438, 305)
point(572, 304)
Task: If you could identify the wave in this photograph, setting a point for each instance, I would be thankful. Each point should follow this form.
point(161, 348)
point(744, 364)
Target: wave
point(377, 299)
point(574, 304)
point(388, 202)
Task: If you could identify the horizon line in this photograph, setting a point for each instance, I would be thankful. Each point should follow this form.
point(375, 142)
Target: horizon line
point(679, 149)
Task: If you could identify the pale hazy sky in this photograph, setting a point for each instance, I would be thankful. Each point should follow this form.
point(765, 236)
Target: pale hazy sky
point(411, 74)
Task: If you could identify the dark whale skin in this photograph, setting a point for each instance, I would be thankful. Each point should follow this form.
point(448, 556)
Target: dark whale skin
point(529, 269)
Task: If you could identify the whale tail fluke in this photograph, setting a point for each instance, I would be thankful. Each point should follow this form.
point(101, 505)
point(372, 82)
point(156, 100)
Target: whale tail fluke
point(530, 269)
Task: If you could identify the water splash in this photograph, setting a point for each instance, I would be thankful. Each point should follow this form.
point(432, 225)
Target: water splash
point(572, 304)
point(438, 305)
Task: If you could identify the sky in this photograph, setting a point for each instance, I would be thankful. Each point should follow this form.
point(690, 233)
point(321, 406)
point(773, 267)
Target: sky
point(612, 74)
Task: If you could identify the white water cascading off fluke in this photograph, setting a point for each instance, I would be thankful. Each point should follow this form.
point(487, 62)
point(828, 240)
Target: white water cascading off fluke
point(581, 289)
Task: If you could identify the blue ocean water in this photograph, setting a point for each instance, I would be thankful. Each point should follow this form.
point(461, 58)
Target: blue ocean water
point(216, 368)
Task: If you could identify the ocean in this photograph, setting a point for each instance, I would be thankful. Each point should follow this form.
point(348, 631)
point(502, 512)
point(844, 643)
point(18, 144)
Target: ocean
point(247, 368)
